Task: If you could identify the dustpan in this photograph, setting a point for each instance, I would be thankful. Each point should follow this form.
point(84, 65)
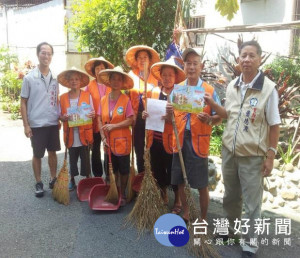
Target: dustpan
point(97, 199)
point(85, 186)
point(137, 182)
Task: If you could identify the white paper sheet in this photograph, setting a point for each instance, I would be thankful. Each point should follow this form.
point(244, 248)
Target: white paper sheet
point(156, 109)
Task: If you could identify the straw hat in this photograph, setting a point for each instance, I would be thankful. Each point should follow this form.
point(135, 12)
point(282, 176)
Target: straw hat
point(90, 65)
point(156, 69)
point(63, 77)
point(130, 55)
point(105, 74)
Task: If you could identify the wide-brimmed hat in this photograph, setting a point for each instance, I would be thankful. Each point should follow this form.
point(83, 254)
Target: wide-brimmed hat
point(90, 65)
point(104, 76)
point(63, 77)
point(131, 52)
point(187, 51)
point(156, 69)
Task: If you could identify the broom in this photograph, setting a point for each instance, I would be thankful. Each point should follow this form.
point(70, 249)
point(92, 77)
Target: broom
point(130, 192)
point(204, 250)
point(60, 192)
point(112, 194)
point(149, 205)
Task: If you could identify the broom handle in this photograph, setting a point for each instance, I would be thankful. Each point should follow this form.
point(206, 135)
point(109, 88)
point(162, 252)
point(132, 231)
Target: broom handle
point(108, 148)
point(67, 141)
point(145, 93)
point(132, 147)
point(178, 146)
point(145, 80)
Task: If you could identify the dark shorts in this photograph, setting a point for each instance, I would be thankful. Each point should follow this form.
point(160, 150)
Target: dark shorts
point(44, 138)
point(195, 166)
point(120, 164)
point(84, 154)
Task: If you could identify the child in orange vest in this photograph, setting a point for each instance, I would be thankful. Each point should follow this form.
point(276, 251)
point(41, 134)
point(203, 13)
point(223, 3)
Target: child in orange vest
point(115, 115)
point(77, 139)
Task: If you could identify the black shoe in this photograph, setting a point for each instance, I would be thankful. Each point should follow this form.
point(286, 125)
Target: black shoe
point(39, 191)
point(247, 254)
point(52, 182)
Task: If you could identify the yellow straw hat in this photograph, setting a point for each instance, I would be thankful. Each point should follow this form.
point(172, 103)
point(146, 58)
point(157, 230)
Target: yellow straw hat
point(130, 57)
point(104, 77)
point(63, 77)
point(156, 70)
point(90, 65)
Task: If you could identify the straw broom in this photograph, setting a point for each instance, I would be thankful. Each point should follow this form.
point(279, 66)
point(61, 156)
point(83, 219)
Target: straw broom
point(204, 250)
point(112, 194)
point(149, 205)
point(60, 192)
point(130, 192)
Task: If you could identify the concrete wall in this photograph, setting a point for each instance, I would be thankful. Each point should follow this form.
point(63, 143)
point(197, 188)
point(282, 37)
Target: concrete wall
point(250, 12)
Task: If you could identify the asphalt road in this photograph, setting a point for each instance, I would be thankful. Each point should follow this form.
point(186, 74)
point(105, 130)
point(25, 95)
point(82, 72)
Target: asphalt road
point(40, 227)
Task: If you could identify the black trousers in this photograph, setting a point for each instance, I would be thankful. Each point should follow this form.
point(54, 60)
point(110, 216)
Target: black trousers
point(139, 142)
point(96, 156)
point(161, 164)
point(83, 153)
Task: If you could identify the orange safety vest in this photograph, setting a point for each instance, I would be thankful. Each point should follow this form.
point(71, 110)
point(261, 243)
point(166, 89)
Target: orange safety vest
point(138, 89)
point(119, 139)
point(167, 135)
point(85, 131)
point(93, 89)
point(200, 131)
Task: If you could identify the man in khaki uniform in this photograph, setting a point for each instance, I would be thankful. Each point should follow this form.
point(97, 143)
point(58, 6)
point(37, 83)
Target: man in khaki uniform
point(249, 143)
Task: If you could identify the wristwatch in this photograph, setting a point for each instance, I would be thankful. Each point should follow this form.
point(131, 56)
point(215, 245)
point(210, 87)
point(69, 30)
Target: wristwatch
point(272, 149)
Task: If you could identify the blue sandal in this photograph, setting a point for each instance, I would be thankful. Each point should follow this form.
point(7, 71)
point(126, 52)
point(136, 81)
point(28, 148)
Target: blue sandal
point(72, 186)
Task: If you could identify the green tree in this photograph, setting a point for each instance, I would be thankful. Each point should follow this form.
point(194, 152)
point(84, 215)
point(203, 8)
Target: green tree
point(109, 28)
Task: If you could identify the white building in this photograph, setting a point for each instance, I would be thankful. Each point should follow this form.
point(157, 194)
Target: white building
point(251, 12)
point(26, 23)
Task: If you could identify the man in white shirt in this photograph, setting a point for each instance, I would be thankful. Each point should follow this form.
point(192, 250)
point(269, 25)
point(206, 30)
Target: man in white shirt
point(39, 109)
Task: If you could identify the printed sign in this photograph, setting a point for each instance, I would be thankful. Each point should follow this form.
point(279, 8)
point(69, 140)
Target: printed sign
point(78, 115)
point(188, 98)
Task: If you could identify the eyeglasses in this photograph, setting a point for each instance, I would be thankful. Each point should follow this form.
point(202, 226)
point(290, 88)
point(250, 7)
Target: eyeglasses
point(45, 54)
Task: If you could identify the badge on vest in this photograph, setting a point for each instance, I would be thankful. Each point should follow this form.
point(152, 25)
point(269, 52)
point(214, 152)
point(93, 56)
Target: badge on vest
point(120, 110)
point(253, 102)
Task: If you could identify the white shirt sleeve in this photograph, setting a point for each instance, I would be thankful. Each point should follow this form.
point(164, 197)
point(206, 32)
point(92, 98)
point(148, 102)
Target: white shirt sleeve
point(272, 111)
